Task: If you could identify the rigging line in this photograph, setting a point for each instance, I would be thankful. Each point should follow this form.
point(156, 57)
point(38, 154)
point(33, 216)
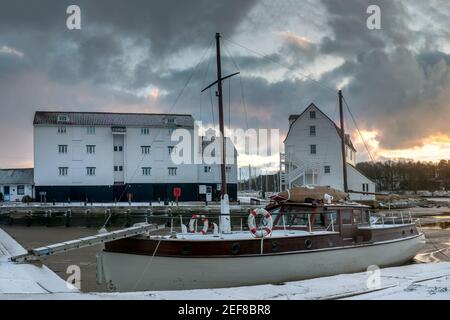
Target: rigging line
point(212, 109)
point(170, 111)
point(265, 56)
point(229, 103)
point(241, 84)
point(357, 129)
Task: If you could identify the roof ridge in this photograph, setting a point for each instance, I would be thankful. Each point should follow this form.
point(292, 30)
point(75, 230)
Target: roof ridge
point(109, 112)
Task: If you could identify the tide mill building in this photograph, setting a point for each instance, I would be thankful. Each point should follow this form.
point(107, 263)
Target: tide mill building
point(313, 155)
point(105, 157)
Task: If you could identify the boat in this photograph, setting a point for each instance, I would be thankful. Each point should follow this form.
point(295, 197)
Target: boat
point(308, 240)
point(321, 234)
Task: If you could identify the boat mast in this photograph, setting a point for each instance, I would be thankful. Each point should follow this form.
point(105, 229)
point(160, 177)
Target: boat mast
point(219, 94)
point(344, 160)
point(223, 189)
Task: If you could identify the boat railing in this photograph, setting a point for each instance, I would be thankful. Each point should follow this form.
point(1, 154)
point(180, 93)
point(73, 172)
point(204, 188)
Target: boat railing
point(391, 218)
point(304, 220)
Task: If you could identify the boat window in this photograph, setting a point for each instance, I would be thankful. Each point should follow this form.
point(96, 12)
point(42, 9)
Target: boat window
point(293, 217)
point(346, 217)
point(330, 218)
point(357, 217)
point(298, 217)
point(275, 212)
point(366, 217)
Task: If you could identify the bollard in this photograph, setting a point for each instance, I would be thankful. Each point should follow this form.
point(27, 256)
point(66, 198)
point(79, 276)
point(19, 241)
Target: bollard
point(48, 218)
point(127, 218)
point(10, 219)
point(88, 218)
point(68, 216)
point(29, 218)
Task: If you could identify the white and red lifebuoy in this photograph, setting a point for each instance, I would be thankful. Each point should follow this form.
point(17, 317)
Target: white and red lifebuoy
point(265, 229)
point(192, 223)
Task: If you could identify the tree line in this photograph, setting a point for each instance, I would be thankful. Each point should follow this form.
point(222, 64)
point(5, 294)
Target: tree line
point(408, 175)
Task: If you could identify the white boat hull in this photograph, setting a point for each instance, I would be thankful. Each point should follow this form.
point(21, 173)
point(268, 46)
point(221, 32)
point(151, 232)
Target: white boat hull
point(128, 272)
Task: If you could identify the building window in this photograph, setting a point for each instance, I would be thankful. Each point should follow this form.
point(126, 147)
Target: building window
point(207, 169)
point(312, 130)
point(118, 148)
point(20, 190)
point(90, 130)
point(172, 171)
point(365, 187)
point(228, 169)
point(90, 171)
point(90, 149)
point(63, 171)
point(145, 149)
point(313, 149)
point(62, 148)
point(171, 149)
point(62, 130)
point(170, 120)
point(145, 131)
point(326, 169)
point(118, 168)
point(146, 171)
point(312, 114)
point(63, 118)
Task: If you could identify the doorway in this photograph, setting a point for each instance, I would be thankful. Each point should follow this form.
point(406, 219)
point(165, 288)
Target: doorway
point(6, 193)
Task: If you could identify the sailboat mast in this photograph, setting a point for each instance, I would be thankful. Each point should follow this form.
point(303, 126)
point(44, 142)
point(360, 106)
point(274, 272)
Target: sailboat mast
point(344, 161)
point(223, 188)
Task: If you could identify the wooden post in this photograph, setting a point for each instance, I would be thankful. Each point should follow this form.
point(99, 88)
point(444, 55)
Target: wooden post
point(223, 189)
point(344, 160)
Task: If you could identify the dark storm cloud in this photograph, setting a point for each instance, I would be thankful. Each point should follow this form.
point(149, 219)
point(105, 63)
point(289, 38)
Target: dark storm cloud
point(351, 36)
point(393, 87)
point(398, 79)
point(159, 29)
point(95, 68)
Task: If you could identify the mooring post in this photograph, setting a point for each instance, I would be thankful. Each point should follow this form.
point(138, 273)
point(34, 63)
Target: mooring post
point(48, 218)
point(68, 216)
point(128, 218)
point(29, 218)
point(87, 214)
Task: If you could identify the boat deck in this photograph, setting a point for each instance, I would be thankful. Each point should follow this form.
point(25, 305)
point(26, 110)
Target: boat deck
point(245, 235)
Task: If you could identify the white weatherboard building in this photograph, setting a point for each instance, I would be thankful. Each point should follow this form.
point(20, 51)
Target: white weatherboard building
point(105, 157)
point(16, 183)
point(313, 155)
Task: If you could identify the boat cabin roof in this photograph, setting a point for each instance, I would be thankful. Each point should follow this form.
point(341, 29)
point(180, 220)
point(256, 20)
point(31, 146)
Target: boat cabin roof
point(307, 205)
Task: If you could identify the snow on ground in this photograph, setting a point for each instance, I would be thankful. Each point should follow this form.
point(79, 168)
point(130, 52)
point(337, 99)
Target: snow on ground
point(20, 279)
point(416, 281)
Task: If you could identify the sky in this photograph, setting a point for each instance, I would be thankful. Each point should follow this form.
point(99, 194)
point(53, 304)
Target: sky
point(156, 56)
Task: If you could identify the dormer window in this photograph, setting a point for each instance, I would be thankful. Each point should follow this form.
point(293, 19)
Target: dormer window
point(170, 120)
point(312, 114)
point(63, 118)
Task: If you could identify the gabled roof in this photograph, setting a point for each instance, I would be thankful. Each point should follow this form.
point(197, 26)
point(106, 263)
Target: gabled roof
point(293, 118)
point(111, 119)
point(16, 176)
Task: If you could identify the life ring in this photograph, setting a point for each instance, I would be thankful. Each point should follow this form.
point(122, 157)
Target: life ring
point(267, 223)
point(192, 223)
